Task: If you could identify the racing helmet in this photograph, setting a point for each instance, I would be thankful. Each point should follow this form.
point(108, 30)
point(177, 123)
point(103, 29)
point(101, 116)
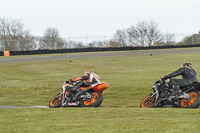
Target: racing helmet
point(188, 65)
point(88, 72)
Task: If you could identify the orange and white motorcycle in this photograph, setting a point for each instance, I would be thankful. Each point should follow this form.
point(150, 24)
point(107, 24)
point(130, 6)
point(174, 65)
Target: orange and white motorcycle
point(83, 96)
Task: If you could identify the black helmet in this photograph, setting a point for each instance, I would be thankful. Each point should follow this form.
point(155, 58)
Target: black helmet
point(188, 65)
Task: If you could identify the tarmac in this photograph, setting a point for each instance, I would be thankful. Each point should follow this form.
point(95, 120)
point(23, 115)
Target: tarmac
point(16, 59)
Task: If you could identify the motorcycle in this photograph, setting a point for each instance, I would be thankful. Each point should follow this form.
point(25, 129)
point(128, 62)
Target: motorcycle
point(83, 96)
point(164, 96)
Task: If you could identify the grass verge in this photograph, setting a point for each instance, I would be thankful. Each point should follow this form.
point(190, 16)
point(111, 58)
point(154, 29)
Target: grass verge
point(130, 79)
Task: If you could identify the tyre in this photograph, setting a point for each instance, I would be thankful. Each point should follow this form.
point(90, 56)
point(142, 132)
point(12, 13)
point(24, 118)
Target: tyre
point(148, 102)
point(55, 102)
point(95, 101)
point(194, 101)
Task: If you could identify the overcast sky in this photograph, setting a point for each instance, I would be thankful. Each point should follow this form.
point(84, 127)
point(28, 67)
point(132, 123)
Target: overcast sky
point(98, 18)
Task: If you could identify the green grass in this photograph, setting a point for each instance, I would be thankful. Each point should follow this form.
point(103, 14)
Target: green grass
point(106, 120)
point(130, 79)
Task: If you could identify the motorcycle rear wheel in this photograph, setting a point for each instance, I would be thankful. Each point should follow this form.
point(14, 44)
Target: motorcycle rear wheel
point(194, 102)
point(95, 101)
point(147, 102)
point(55, 102)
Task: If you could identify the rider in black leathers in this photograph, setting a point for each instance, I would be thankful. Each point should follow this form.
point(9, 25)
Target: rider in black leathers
point(188, 74)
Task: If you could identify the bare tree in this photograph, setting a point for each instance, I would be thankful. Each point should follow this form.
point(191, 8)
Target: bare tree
point(120, 37)
point(130, 33)
point(12, 35)
point(97, 44)
point(168, 39)
point(112, 43)
point(101, 43)
point(78, 45)
point(52, 40)
point(28, 42)
point(144, 33)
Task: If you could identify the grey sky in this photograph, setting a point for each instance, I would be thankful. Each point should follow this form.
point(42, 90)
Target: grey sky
point(96, 18)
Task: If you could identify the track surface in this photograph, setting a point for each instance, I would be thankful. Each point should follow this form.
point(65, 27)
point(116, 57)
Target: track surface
point(5, 106)
point(95, 55)
point(90, 55)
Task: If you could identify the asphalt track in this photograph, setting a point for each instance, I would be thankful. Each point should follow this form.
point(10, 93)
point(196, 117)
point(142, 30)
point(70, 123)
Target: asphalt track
point(5, 106)
point(17, 59)
point(89, 55)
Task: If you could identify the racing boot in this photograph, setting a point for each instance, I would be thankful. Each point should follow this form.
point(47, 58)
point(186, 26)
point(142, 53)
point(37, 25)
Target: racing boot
point(181, 95)
point(184, 96)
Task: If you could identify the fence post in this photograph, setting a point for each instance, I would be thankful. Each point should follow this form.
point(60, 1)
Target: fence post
point(86, 41)
point(192, 39)
point(104, 40)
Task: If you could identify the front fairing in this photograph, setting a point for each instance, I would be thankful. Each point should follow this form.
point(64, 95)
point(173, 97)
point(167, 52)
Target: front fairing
point(64, 86)
point(156, 89)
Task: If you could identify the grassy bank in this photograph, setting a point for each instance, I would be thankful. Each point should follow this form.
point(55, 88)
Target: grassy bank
point(130, 79)
point(98, 120)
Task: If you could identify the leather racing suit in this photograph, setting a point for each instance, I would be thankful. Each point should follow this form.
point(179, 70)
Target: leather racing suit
point(189, 76)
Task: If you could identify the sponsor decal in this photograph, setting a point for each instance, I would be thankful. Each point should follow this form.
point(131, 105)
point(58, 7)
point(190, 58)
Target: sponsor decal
point(107, 85)
point(72, 104)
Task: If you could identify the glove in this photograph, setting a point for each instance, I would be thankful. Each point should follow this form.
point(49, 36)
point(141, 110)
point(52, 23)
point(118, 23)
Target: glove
point(67, 82)
point(71, 80)
point(162, 80)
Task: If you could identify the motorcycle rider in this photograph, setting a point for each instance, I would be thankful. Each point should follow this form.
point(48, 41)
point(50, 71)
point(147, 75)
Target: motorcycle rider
point(188, 74)
point(86, 80)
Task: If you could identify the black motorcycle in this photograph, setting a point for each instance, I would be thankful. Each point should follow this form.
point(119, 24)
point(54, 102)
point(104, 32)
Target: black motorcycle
point(164, 96)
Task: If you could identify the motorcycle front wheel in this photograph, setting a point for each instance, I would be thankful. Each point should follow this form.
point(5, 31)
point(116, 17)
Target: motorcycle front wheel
point(148, 102)
point(94, 101)
point(55, 102)
point(193, 102)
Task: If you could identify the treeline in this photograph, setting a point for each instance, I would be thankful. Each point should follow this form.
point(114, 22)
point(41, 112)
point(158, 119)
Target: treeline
point(14, 37)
